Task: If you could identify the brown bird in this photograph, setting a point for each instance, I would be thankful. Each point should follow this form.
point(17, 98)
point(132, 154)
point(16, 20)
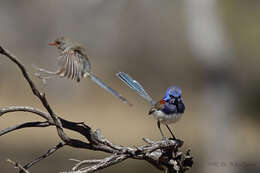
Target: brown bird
point(74, 64)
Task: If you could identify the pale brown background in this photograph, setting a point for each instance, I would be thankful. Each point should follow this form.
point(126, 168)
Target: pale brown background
point(153, 41)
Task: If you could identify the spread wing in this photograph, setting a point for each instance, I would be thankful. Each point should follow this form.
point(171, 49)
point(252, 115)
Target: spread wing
point(157, 106)
point(73, 65)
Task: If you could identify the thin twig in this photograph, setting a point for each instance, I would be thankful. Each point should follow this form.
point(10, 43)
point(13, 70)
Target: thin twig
point(162, 154)
point(81, 163)
point(106, 162)
point(17, 165)
point(48, 153)
point(24, 125)
point(37, 93)
point(5, 110)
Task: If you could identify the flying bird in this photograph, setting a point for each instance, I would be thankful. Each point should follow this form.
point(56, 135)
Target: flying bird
point(167, 110)
point(74, 64)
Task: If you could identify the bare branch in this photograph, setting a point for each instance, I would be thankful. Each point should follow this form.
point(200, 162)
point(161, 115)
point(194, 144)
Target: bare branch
point(49, 152)
point(17, 165)
point(160, 154)
point(37, 93)
point(10, 109)
point(164, 154)
point(104, 163)
point(78, 127)
point(84, 162)
point(24, 125)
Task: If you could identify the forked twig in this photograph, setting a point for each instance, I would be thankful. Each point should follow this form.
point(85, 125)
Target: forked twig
point(163, 154)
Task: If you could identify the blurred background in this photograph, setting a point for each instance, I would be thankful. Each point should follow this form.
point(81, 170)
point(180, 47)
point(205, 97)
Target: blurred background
point(209, 48)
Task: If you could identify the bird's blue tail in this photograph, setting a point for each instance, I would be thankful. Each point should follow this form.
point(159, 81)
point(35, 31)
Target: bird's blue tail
point(134, 85)
point(108, 89)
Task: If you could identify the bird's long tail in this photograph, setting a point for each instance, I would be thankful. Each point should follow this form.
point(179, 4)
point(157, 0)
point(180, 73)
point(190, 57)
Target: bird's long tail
point(108, 89)
point(135, 86)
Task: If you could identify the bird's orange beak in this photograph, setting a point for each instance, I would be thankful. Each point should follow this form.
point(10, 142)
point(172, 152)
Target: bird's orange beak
point(53, 44)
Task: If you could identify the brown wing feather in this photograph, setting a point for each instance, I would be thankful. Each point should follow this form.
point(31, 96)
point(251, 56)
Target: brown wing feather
point(75, 74)
point(70, 61)
point(71, 68)
point(83, 60)
point(157, 106)
point(66, 66)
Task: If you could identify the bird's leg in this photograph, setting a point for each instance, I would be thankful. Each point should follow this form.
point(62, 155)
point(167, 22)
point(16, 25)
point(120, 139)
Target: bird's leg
point(170, 131)
point(43, 70)
point(44, 78)
point(159, 126)
point(52, 74)
point(59, 72)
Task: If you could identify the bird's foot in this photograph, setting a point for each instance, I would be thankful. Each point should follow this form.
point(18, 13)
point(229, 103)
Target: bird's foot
point(171, 138)
point(164, 138)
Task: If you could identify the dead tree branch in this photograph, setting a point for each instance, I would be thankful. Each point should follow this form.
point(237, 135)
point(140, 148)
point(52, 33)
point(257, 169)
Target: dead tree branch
point(163, 154)
point(17, 165)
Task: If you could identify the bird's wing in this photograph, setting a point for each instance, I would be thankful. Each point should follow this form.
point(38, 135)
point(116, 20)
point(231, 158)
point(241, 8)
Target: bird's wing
point(83, 61)
point(69, 60)
point(157, 106)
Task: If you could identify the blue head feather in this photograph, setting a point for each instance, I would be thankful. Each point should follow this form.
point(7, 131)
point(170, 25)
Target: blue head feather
point(173, 91)
point(173, 101)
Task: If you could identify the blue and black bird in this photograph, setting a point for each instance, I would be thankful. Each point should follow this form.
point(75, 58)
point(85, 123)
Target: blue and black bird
point(167, 110)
